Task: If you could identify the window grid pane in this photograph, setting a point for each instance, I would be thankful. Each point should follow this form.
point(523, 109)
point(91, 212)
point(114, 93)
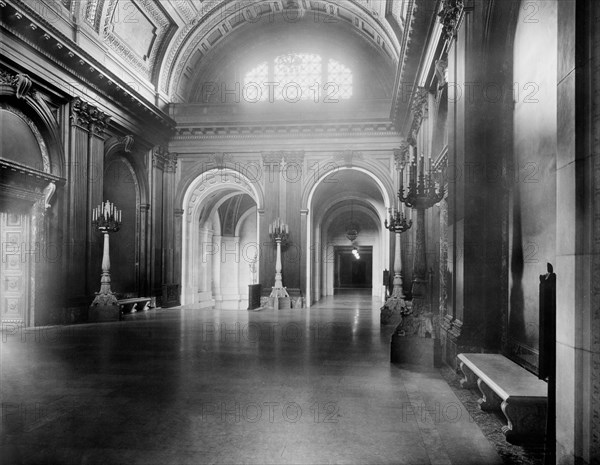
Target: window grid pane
point(299, 76)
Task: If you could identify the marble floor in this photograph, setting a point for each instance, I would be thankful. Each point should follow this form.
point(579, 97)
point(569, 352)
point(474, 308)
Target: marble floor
point(188, 385)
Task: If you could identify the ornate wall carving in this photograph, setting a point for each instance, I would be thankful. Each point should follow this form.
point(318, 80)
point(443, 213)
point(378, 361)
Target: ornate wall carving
point(450, 17)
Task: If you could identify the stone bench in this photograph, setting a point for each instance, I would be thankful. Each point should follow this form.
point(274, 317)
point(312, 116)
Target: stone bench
point(134, 304)
point(507, 386)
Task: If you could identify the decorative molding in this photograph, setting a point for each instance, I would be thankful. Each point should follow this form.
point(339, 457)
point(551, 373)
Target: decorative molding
point(127, 142)
point(450, 17)
point(419, 107)
point(346, 157)
point(272, 131)
point(49, 193)
point(441, 67)
point(20, 82)
point(93, 13)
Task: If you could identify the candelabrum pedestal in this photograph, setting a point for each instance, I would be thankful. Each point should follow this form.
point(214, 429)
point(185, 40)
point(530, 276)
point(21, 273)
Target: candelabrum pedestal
point(279, 296)
point(105, 306)
point(422, 194)
point(396, 303)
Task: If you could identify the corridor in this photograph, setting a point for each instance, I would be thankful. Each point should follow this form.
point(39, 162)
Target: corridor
point(188, 385)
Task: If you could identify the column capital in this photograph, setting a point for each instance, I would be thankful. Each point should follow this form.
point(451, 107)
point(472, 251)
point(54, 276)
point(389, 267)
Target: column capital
point(160, 157)
point(88, 117)
point(347, 157)
point(272, 158)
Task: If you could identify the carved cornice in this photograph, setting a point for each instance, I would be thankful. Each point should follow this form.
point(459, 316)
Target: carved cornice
point(88, 117)
point(450, 17)
point(34, 30)
point(272, 131)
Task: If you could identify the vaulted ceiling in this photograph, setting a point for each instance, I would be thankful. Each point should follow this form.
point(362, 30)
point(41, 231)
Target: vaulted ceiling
point(166, 41)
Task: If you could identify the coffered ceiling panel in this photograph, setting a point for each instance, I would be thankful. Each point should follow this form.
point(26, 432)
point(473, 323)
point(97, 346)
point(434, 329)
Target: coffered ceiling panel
point(136, 30)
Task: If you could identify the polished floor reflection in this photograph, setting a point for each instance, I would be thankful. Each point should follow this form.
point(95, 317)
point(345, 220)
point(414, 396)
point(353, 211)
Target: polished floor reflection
point(187, 385)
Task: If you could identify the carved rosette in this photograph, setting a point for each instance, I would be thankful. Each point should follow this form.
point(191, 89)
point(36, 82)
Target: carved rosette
point(450, 16)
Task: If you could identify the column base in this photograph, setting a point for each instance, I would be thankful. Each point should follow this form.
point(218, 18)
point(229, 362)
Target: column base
point(104, 308)
point(393, 309)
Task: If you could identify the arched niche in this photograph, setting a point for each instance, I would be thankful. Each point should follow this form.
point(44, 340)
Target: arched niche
point(31, 164)
point(121, 186)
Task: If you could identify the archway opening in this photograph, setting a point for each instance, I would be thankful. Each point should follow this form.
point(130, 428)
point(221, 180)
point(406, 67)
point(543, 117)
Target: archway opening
point(347, 209)
point(220, 247)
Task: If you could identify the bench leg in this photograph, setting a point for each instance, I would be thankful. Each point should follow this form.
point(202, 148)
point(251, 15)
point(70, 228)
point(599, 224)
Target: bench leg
point(470, 379)
point(526, 420)
point(489, 399)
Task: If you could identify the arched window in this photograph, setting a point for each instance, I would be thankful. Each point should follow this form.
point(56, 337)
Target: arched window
point(298, 76)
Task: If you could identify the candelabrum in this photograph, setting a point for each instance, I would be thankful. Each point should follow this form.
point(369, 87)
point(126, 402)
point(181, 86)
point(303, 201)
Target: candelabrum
point(397, 225)
point(106, 218)
point(423, 193)
point(278, 232)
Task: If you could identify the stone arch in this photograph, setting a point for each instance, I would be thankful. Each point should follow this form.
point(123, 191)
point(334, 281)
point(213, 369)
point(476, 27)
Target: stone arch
point(200, 195)
point(384, 185)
